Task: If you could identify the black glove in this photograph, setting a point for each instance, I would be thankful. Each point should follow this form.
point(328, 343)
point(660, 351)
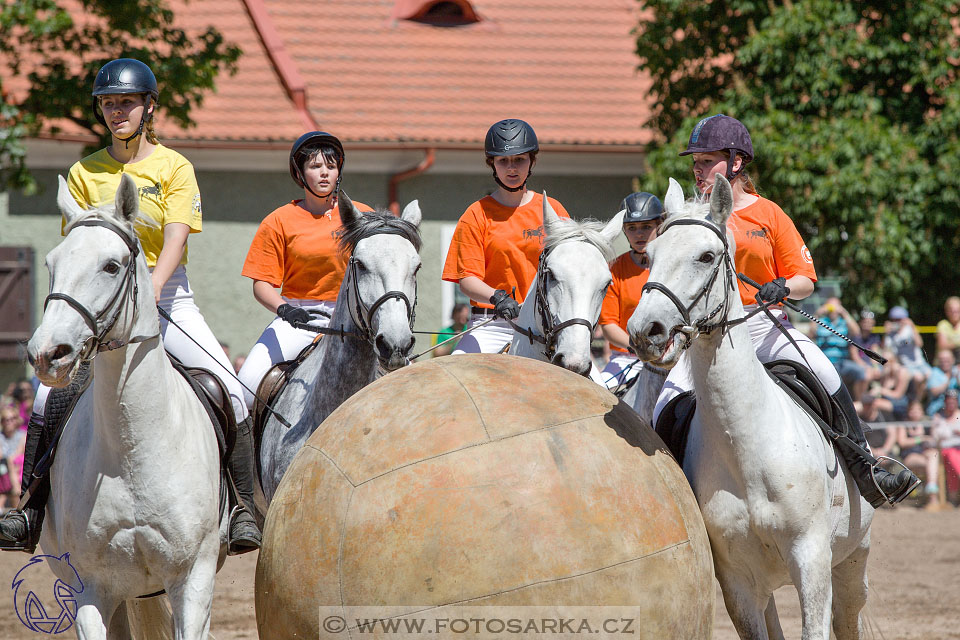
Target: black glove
point(504, 306)
point(773, 291)
point(292, 314)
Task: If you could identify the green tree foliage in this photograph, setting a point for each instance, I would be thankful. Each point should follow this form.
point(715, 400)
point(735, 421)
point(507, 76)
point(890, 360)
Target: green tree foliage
point(58, 55)
point(854, 111)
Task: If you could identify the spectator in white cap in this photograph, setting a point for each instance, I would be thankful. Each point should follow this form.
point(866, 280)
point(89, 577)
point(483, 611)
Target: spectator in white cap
point(904, 340)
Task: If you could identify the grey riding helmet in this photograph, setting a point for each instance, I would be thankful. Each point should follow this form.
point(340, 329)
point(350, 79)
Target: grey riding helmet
point(314, 138)
point(510, 138)
point(121, 76)
point(721, 133)
point(641, 206)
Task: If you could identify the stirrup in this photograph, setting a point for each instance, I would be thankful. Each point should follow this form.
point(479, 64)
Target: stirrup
point(903, 493)
point(27, 546)
point(238, 546)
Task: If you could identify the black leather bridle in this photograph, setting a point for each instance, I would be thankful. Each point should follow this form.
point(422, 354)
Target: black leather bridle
point(362, 315)
point(691, 329)
point(128, 290)
point(547, 322)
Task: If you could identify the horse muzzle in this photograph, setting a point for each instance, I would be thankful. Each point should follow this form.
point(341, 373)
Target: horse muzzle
point(54, 365)
point(392, 357)
point(658, 345)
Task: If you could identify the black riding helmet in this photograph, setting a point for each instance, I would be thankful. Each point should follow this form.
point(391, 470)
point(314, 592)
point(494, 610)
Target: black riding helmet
point(122, 76)
point(304, 145)
point(641, 206)
point(510, 137)
point(721, 133)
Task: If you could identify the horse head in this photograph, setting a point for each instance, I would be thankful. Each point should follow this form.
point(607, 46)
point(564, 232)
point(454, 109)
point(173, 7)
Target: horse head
point(97, 281)
point(382, 273)
point(691, 284)
point(572, 280)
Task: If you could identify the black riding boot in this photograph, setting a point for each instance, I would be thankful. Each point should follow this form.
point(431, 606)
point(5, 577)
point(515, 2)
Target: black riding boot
point(876, 484)
point(244, 533)
point(20, 528)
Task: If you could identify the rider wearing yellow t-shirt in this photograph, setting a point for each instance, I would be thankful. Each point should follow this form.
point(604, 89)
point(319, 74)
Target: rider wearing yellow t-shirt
point(124, 100)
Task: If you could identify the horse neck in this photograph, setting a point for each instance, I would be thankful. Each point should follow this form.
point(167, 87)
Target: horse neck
point(134, 396)
point(723, 366)
point(527, 319)
point(344, 365)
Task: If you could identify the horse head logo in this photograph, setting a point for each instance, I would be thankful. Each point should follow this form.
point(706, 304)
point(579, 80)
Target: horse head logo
point(31, 609)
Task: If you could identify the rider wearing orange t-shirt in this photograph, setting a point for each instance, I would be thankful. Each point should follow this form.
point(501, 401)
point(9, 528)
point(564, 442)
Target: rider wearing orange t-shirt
point(629, 272)
point(770, 251)
point(497, 243)
point(295, 250)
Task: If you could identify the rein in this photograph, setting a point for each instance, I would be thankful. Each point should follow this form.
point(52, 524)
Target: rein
point(548, 326)
point(128, 289)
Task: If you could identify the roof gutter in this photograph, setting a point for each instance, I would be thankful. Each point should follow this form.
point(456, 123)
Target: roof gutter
point(395, 179)
point(283, 64)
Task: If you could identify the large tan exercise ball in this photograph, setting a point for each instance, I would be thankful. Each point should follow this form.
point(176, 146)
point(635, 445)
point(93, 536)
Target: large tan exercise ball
point(484, 480)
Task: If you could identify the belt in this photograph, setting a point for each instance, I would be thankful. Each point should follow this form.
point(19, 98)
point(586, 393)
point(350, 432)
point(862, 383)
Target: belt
point(481, 311)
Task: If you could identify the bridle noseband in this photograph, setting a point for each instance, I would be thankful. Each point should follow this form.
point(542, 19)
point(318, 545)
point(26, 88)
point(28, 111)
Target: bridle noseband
point(97, 342)
point(692, 329)
point(547, 321)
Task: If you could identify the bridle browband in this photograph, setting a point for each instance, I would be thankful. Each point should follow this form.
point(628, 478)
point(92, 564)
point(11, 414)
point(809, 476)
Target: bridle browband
point(547, 322)
point(702, 325)
point(97, 342)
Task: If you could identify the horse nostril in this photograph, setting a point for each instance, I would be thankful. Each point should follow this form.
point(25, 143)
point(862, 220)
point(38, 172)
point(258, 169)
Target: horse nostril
point(382, 348)
point(559, 360)
point(61, 351)
point(655, 329)
point(413, 341)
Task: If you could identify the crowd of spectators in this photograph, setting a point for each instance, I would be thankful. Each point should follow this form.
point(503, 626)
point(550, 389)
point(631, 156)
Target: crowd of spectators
point(910, 401)
point(16, 405)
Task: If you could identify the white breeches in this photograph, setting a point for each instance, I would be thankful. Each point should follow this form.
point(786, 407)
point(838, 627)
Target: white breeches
point(770, 344)
point(177, 300)
point(490, 338)
point(621, 368)
point(280, 341)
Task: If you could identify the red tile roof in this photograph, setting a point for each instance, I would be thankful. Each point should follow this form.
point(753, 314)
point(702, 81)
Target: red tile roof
point(566, 66)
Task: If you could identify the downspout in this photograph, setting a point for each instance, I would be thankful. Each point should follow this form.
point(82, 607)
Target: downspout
point(395, 179)
point(283, 64)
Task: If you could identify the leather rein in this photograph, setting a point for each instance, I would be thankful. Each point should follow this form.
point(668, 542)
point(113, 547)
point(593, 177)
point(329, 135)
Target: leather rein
point(128, 289)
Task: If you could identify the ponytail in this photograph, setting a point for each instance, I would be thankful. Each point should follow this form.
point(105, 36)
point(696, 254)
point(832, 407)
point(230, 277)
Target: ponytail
point(747, 183)
point(150, 133)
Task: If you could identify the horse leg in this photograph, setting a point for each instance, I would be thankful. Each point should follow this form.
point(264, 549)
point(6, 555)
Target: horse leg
point(191, 597)
point(119, 624)
point(89, 621)
point(809, 565)
point(773, 620)
point(744, 607)
point(850, 594)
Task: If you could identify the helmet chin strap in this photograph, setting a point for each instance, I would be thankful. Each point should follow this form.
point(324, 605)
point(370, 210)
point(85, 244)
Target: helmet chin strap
point(731, 174)
point(523, 186)
point(332, 195)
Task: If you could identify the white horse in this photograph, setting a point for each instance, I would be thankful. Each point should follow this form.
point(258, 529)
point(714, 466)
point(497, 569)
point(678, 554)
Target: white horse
point(562, 306)
point(134, 492)
point(778, 504)
point(374, 312)
point(642, 394)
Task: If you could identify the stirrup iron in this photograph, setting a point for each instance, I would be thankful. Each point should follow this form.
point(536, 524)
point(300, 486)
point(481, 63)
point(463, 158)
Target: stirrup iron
point(904, 493)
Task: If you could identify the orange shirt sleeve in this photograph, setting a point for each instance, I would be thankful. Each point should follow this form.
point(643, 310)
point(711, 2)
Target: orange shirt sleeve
point(267, 253)
point(610, 309)
point(790, 253)
point(465, 256)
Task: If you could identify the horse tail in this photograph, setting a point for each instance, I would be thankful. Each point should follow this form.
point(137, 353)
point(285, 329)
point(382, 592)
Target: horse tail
point(150, 618)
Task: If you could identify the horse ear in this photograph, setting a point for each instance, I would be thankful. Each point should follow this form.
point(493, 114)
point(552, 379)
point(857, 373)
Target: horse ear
point(125, 203)
point(411, 213)
point(721, 200)
point(349, 215)
point(550, 216)
point(68, 206)
point(612, 228)
point(673, 201)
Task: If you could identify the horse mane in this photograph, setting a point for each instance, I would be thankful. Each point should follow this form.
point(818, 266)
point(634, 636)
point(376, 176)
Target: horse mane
point(371, 223)
point(108, 212)
point(588, 231)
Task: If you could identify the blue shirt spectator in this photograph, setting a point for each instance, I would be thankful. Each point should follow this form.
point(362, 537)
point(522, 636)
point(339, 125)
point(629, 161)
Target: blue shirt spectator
point(943, 378)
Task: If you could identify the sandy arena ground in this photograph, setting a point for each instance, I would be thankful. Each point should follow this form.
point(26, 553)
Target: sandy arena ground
point(914, 573)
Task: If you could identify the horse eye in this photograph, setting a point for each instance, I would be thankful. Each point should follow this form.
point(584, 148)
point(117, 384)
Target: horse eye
point(417, 270)
point(706, 258)
point(112, 268)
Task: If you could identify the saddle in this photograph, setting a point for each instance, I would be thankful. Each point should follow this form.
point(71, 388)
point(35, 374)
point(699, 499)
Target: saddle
point(270, 387)
point(799, 382)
